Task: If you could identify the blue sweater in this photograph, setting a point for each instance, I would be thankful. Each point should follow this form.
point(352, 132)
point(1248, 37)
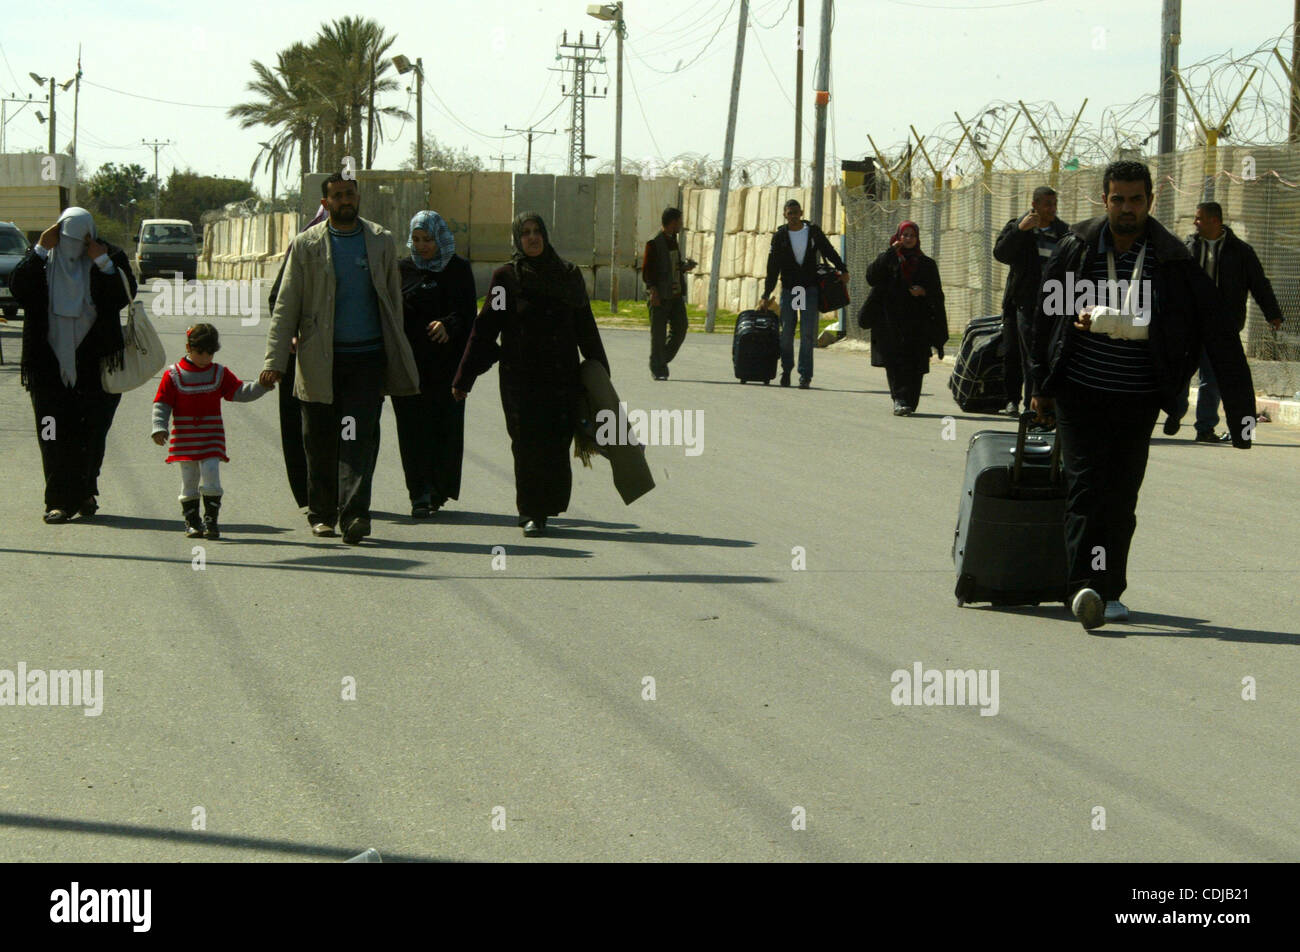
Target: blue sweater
point(356, 307)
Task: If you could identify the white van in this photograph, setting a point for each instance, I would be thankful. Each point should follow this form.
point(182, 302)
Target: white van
point(165, 246)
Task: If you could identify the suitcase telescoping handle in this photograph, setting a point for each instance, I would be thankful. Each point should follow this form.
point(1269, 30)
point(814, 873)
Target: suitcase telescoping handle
point(1027, 418)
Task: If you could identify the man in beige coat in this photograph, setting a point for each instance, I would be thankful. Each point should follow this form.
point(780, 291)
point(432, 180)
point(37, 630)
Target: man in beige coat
point(342, 299)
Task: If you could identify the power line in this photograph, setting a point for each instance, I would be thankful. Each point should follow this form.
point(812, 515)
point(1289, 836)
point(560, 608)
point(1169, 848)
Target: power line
point(8, 67)
point(170, 102)
point(696, 58)
point(658, 151)
point(452, 117)
point(754, 20)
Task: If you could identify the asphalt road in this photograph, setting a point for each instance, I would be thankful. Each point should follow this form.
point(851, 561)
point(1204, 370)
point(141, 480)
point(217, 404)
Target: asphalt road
point(522, 687)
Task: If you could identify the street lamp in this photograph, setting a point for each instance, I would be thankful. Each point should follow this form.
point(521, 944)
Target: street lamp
point(614, 12)
point(404, 66)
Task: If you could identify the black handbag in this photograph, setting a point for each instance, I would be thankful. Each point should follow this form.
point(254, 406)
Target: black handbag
point(832, 294)
point(873, 308)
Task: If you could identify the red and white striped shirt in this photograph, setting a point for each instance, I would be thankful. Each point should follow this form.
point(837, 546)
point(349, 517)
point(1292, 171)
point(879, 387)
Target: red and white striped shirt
point(195, 396)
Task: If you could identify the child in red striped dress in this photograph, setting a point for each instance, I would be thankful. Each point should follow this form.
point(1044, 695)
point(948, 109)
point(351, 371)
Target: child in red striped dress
point(193, 388)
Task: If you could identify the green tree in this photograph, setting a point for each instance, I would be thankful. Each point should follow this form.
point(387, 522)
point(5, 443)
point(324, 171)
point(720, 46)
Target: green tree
point(439, 156)
point(188, 195)
point(117, 191)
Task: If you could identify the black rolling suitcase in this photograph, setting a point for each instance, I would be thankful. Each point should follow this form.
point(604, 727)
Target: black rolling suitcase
point(978, 381)
point(756, 346)
point(1009, 547)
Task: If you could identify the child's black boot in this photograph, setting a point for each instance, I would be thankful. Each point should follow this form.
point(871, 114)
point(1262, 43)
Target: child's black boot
point(211, 509)
point(193, 524)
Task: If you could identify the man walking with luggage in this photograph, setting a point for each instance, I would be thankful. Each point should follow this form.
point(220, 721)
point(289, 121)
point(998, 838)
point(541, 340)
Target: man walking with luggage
point(664, 272)
point(342, 299)
point(793, 258)
point(1107, 371)
point(1235, 269)
point(1024, 245)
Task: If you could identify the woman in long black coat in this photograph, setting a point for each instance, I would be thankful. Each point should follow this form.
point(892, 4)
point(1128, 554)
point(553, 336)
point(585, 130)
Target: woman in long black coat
point(438, 302)
point(911, 319)
point(538, 306)
point(71, 291)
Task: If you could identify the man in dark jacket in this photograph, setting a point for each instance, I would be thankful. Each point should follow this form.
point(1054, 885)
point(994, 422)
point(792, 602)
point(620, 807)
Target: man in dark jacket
point(1106, 373)
point(1024, 245)
point(1234, 267)
point(793, 258)
point(664, 272)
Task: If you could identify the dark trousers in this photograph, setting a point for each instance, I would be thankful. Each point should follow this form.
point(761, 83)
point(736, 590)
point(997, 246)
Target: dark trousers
point(904, 384)
point(1105, 439)
point(342, 441)
point(431, 437)
point(668, 318)
point(1015, 361)
point(295, 456)
point(72, 426)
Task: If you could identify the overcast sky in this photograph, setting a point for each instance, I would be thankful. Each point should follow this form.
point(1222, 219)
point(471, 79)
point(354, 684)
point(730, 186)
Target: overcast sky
point(894, 62)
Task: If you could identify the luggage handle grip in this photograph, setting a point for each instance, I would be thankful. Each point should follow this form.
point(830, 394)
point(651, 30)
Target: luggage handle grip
point(1025, 419)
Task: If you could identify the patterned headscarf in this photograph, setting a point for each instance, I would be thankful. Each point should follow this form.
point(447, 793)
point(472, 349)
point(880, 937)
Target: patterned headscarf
point(67, 272)
point(907, 257)
point(432, 222)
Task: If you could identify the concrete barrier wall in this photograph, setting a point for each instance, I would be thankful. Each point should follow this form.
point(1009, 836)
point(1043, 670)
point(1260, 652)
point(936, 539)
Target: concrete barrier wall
point(753, 214)
point(479, 208)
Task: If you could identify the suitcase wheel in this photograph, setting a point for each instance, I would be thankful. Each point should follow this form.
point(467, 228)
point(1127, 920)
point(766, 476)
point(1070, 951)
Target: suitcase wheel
point(961, 602)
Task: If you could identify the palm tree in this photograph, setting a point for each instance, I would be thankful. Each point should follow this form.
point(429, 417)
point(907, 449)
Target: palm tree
point(289, 104)
point(353, 51)
point(317, 97)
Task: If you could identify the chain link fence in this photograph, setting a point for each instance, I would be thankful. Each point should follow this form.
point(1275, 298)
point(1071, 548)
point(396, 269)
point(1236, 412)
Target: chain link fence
point(1258, 187)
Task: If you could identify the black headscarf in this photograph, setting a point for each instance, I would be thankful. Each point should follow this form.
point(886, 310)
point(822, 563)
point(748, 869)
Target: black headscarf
point(548, 277)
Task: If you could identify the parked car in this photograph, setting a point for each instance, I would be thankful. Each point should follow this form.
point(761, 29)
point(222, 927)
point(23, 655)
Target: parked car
point(165, 246)
point(13, 246)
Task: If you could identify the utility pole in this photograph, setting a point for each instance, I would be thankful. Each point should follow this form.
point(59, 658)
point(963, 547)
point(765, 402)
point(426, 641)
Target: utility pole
point(531, 132)
point(404, 66)
point(614, 12)
point(370, 117)
point(720, 232)
point(578, 92)
point(503, 159)
point(4, 101)
point(52, 148)
point(823, 80)
point(1170, 28)
point(1294, 134)
point(798, 100)
point(157, 185)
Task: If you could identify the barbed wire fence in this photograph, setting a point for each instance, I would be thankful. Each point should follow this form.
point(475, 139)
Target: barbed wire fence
point(987, 163)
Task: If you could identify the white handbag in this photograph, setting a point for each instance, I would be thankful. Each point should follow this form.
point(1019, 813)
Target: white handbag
point(142, 357)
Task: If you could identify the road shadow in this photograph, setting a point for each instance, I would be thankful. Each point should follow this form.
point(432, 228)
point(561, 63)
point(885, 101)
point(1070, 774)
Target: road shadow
point(467, 517)
point(118, 521)
point(202, 838)
point(1149, 625)
point(561, 530)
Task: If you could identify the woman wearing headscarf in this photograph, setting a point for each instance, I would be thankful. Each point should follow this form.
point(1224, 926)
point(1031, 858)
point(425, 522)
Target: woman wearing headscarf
point(912, 318)
point(537, 304)
point(71, 291)
point(438, 301)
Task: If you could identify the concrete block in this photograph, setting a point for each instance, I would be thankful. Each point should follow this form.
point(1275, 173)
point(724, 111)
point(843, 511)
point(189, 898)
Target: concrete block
point(450, 194)
point(735, 219)
point(490, 215)
point(573, 233)
point(753, 199)
point(604, 219)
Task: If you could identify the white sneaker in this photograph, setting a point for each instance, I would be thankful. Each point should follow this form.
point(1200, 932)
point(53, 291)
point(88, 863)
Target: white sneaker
point(1116, 611)
point(1088, 608)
